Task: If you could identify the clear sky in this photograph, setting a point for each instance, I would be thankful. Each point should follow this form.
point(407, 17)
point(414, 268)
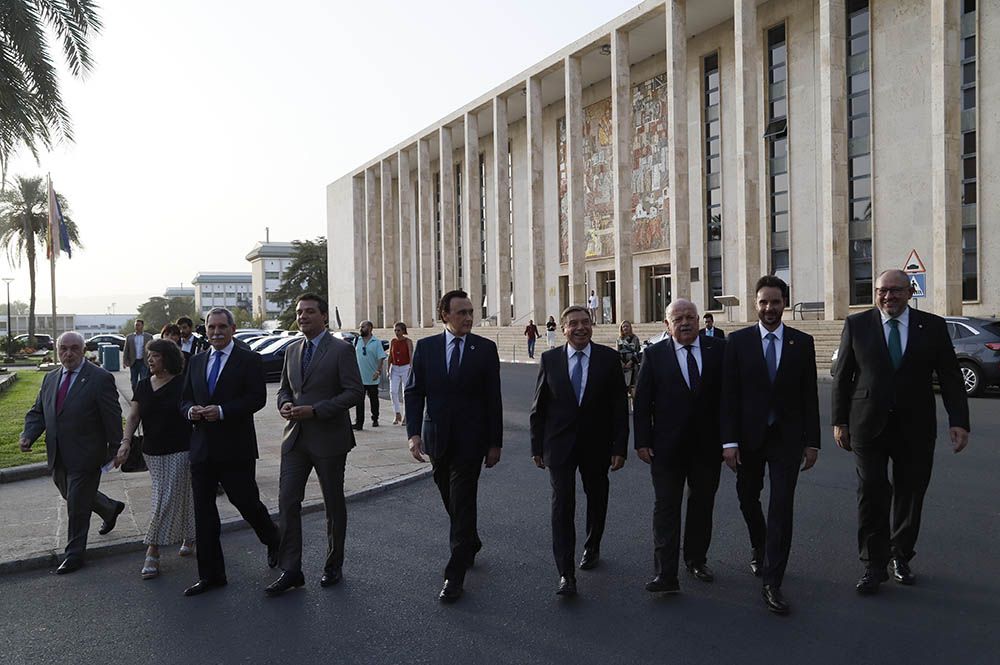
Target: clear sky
point(205, 121)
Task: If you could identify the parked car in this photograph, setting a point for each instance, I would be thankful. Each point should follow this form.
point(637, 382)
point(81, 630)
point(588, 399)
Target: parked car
point(352, 338)
point(273, 356)
point(246, 334)
point(42, 342)
point(261, 343)
point(95, 341)
point(977, 346)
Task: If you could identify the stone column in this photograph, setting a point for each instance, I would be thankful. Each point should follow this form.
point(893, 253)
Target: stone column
point(623, 127)
point(501, 291)
point(446, 164)
point(834, 204)
point(408, 296)
point(373, 240)
point(946, 157)
point(677, 149)
point(575, 182)
point(536, 199)
point(472, 210)
point(390, 251)
point(360, 251)
point(748, 139)
point(427, 269)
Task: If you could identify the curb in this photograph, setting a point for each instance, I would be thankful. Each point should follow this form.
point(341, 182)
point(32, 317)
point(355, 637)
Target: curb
point(51, 558)
point(24, 472)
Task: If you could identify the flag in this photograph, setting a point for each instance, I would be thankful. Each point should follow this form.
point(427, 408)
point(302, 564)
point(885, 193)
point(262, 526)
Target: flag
point(57, 233)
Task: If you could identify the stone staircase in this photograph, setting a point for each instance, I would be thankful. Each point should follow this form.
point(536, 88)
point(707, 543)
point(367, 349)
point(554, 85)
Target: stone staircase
point(513, 347)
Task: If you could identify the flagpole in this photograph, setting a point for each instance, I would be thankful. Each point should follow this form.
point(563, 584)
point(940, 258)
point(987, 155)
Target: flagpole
point(52, 265)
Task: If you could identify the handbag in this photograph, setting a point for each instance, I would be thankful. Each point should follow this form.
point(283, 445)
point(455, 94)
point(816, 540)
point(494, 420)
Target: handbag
point(135, 462)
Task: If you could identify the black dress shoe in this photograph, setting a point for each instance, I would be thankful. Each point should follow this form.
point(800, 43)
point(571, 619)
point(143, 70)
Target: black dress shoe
point(869, 582)
point(756, 562)
point(901, 572)
point(285, 582)
point(567, 586)
point(330, 578)
point(590, 559)
point(701, 572)
point(356, 427)
point(70, 564)
point(108, 525)
point(661, 584)
point(201, 586)
point(272, 555)
point(775, 601)
point(450, 592)
point(479, 546)
point(374, 423)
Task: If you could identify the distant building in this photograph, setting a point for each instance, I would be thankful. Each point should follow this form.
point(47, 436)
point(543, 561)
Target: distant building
point(268, 262)
point(222, 289)
point(89, 325)
point(179, 292)
point(43, 324)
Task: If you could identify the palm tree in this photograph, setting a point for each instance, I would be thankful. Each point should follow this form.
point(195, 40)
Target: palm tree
point(24, 218)
point(32, 112)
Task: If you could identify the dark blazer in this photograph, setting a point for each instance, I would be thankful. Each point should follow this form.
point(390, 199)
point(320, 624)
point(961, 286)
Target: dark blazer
point(197, 346)
point(240, 391)
point(597, 427)
point(332, 386)
point(717, 333)
point(748, 395)
point(669, 417)
point(865, 386)
point(88, 430)
point(464, 416)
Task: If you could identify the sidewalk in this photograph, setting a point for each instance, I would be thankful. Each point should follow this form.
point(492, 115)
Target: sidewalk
point(33, 515)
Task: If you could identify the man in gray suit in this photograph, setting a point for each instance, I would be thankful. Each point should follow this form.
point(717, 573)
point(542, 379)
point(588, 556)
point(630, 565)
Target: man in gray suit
point(135, 353)
point(77, 408)
point(320, 383)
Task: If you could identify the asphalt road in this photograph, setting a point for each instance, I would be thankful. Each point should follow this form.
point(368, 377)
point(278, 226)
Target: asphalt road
point(386, 610)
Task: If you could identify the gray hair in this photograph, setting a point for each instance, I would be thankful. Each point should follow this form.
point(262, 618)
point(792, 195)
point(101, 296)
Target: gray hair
point(678, 304)
point(222, 310)
point(70, 334)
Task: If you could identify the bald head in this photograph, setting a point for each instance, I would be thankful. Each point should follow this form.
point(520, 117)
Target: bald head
point(69, 347)
point(682, 321)
point(892, 292)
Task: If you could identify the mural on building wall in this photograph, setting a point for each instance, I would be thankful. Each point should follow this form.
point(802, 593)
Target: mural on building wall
point(649, 174)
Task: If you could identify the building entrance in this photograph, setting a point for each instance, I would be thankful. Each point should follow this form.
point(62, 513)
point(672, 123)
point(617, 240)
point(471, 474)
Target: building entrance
point(656, 286)
point(606, 312)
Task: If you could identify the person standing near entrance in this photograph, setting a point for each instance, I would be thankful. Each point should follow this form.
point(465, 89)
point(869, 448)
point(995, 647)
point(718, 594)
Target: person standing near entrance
point(371, 356)
point(550, 332)
point(710, 330)
point(400, 352)
point(592, 304)
point(531, 332)
point(135, 353)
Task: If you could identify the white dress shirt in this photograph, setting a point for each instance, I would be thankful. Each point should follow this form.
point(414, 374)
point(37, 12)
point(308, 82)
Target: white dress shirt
point(682, 354)
point(187, 344)
point(226, 352)
point(903, 327)
point(72, 379)
point(571, 363)
point(449, 348)
point(139, 341)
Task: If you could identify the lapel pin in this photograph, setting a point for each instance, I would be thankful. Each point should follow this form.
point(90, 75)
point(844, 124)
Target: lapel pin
point(472, 348)
point(791, 341)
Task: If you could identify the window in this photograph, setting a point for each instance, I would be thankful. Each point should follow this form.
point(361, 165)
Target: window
point(458, 222)
point(713, 180)
point(482, 235)
point(437, 234)
point(776, 138)
point(859, 152)
point(271, 275)
point(970, 214)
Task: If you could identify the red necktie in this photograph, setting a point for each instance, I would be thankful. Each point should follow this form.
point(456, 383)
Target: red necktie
point(63, 389)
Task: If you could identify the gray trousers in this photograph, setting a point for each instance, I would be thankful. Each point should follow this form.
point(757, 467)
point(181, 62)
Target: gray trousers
point(295, 468)
point(82, 498)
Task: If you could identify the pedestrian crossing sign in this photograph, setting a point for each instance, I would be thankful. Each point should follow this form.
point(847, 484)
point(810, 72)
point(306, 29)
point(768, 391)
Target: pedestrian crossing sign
point(918, 282)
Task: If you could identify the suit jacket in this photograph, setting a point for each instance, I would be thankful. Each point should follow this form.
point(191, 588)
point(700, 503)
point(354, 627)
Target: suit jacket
point(717, 333)
point(748, 395)
point(129, 349)
point(197, 346)
point(240, 391)
point(331, 385)
point(464, 416)
point(866, 388)
point(670, 418)
point(88, 429)
point(595, 428)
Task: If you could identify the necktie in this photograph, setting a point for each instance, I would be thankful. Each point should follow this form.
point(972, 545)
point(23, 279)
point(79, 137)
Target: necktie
point(456, 358)
point(771, 356)
point(213, 374)
point(895, 344)
point(307, 357)
point(694, 378)
point(576, 378)
point(63, 390)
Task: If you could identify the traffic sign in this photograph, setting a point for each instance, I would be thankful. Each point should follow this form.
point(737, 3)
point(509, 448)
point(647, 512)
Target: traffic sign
point(918, 282)
point(913, 263)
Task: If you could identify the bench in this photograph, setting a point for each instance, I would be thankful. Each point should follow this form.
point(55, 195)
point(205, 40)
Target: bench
point(801, 308)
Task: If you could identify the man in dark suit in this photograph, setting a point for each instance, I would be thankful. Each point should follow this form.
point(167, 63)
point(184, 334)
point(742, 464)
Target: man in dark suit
point(883, 408)
point(190, 344)
point(770, 417)
point(579, 420)
point(454, 413)
point(319, 385)
point(223, 389)
point(77, 408)
point(710, 330)
point(676, 411)
point(134, 353)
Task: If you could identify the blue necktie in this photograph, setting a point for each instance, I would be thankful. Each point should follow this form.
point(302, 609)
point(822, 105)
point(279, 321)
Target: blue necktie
point(307, 357)
point(456, 358)
point(895, 344)
point(576, 378)
point(213, 374)
point(771, 356)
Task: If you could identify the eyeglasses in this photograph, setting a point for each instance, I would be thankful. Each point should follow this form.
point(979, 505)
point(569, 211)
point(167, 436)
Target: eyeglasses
point(891, 291)
point(364, 350)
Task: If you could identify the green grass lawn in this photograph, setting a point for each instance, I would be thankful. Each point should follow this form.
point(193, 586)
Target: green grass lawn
point(14, 403)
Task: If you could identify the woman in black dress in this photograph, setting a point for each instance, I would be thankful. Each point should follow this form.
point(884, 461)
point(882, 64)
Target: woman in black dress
point(166, 440)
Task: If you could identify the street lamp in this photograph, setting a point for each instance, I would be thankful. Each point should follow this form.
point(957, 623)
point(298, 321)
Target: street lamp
point(10, 332)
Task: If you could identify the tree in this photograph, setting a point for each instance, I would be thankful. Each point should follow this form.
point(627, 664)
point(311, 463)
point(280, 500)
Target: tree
point(306, 274)
point(24, 219)
point(16, 307)
point(159, 311)
point(32, 112)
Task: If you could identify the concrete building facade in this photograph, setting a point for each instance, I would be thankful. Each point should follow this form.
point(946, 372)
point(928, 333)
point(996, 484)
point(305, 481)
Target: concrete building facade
point(268, 262)
point(178, 292)
point(222, 289)
point(684, 149)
